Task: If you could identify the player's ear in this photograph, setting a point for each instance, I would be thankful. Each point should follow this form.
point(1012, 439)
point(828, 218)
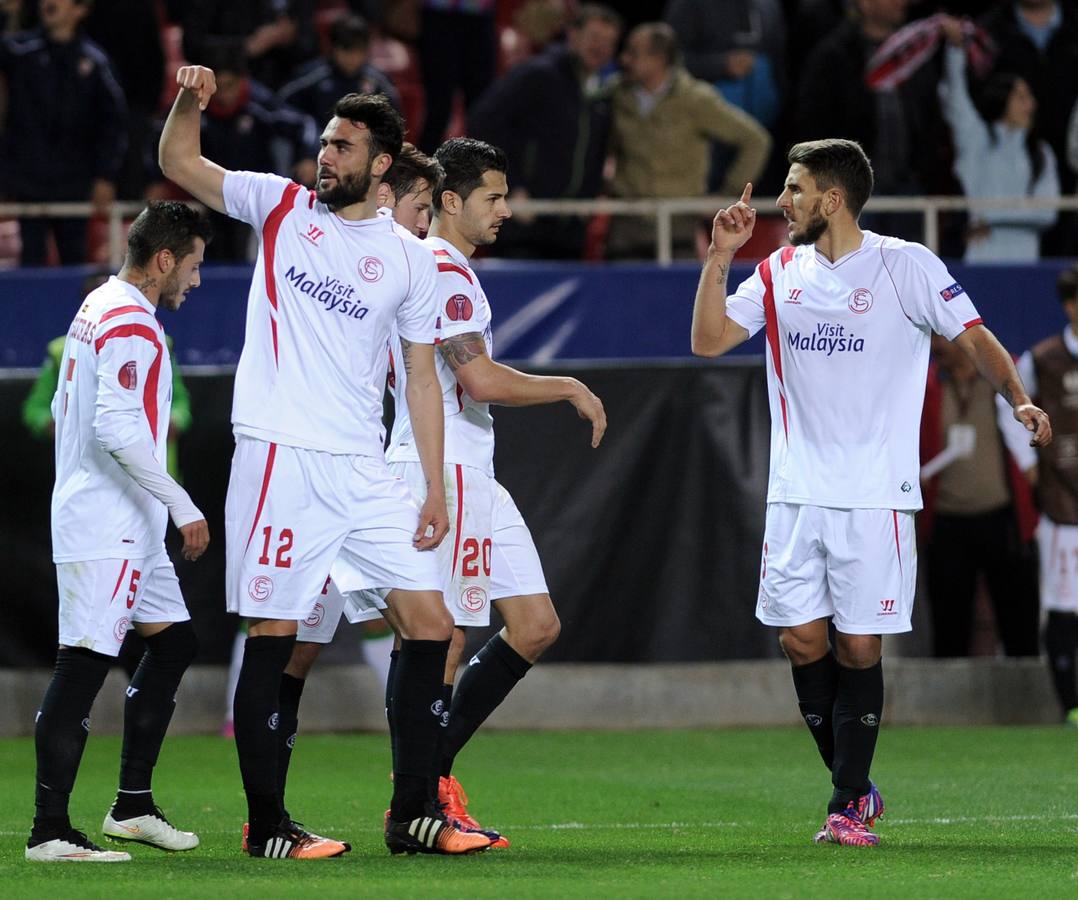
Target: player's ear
point(381, 164)
point(165, 260)
point(834, 201)
point(385, 192)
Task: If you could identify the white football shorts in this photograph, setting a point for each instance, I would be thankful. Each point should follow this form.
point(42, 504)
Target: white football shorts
point(856, 565)
point(1059, 565)
point(488, 554)
point(291, 513)
point(100, 598)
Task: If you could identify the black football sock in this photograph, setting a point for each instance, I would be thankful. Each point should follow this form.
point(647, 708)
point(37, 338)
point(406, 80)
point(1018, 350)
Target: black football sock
point(416, 708)
point(1060, 643)
point(391, 679)
point(493, 672)
point(63, 722)
point(447, 703)
point(816, 685)
point(858, 708)
point(288, 713)
point(257, 723)
point(151, 700)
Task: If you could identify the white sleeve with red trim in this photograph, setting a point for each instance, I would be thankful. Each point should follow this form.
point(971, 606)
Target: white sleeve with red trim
point(746, 305)
point(458, 303)
point(417, 316)
point(930, 295)
point(252, 196)
point(127, 366)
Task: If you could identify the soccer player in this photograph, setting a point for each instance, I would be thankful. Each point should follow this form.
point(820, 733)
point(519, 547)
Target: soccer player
point(110, 505)
point(1050, 371)
point(309, 488)
point(488, 556)
point(848, 316)
point(406, 190)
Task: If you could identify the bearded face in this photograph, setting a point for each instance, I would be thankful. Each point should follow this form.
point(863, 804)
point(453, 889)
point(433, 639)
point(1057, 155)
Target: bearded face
point(338, 191)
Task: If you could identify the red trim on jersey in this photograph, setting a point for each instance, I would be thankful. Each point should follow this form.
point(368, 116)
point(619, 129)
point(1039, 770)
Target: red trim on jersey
point(262, 496)
point(149, 391)
point(123, 310)
point(771, 323)
point(972, 322)
point(311, 197)
point(460, 398)
point(898, 545)
point(453, 267)
point(70, 368)
point(270, 229)
point(786, 254)
point(460, 515)
point(119, 580)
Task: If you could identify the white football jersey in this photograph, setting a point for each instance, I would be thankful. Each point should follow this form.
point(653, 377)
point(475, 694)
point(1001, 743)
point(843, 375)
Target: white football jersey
point(469, 426)
point(847, 357)
point(115, 390)
point(324, 295)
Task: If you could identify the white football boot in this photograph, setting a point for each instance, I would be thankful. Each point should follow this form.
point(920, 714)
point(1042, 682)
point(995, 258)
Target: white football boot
point(154, 830)
point(74, 846)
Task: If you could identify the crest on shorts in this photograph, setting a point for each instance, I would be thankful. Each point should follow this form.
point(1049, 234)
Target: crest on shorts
point(315, 618)
point(459, 308)
point(260, 588)
point(473, 598)
point(128, 375)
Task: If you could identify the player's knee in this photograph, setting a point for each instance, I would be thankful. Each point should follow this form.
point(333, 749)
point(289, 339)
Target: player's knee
point(174, 647)
point(304, 654)
point(857, 651)
point(799, 650)
point(534, 634)
point(83, 666)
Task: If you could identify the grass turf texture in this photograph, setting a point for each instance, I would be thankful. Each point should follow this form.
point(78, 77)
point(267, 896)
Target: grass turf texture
point(971, 812)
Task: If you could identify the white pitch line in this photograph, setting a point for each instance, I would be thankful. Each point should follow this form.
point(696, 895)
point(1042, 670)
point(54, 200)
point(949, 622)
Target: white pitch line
point(664, 826)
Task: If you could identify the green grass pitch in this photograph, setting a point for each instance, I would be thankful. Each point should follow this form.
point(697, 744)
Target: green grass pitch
point(971, 812)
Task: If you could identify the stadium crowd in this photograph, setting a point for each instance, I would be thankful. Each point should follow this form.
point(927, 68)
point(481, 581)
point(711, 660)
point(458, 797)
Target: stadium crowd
point(648, 99)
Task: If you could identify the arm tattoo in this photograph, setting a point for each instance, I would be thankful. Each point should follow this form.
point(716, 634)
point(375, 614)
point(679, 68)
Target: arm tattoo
point(1007, 389)
point(406, 352)
point(721, 273)
point(462, 349)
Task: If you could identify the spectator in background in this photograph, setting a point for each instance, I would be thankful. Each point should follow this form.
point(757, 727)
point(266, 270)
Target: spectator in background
point(664, 121)
point(551, 116)
point(65, 133)
point(1050, 371)
point(999, 155)
point(1038, 41)
point(246, 127)
point(737, 45)
point(458, 48)
point(901, 129)
point(277, 35)
point(978, 518)
point(130, 34)
point(346, 70)
point(17, 15)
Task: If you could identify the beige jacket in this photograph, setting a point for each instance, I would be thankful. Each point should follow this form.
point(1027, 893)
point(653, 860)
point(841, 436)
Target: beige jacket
point(667, 153)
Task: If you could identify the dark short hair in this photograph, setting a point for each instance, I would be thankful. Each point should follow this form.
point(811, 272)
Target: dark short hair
point(1067, 284)
point(662, 41)
point(384, 123)
point(165, 225)
point(464, 161)
point(409, 167)
point(837, 162)
point(586, 12)
point(349, 32)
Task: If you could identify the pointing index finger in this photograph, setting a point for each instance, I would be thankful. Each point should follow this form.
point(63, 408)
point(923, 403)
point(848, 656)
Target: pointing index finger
point(746, 194)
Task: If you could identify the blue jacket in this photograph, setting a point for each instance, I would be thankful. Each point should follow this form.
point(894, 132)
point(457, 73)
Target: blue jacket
point(67, 118)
